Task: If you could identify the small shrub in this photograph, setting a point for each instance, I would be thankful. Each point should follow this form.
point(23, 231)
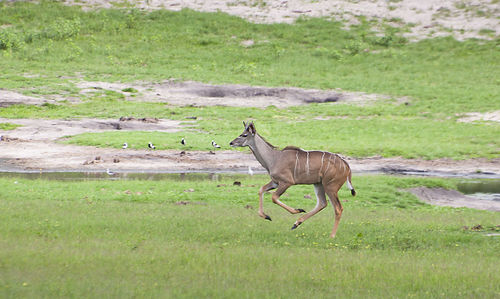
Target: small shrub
point(388, 40)
point(73, 51)
point(62, 29)
point(329, 53)
point(129, 89)
point(354, 47)
point(9, 40)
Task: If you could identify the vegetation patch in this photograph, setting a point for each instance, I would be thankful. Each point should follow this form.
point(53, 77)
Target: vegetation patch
point(116, 238)
point(8, 126)
point(443, 75)
point(361, 137)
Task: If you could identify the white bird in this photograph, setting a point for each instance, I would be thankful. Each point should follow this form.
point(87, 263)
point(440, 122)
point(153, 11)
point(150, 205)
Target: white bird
point(250, 171)
point(109, 172)
point(215, 145)
point(183, 141)
point(125, 145)
point(150, 145)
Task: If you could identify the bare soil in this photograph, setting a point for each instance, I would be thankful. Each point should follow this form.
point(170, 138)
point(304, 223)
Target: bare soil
point(453, 198)
point(200, 94)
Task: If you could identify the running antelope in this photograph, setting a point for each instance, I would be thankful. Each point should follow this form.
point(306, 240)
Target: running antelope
point(293, 166)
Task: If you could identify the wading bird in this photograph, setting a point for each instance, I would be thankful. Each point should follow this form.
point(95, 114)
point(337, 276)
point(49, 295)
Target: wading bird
point(151, 146)
point(215, 145)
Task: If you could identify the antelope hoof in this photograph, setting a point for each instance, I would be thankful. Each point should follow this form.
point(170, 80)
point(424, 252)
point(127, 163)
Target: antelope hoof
point(296, 224)
point(301, 210)
point(268, 218)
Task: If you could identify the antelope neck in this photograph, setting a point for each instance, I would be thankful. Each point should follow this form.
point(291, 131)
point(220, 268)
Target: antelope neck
point(263, 152)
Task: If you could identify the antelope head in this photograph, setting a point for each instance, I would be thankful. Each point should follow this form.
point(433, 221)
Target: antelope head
point(247, 137)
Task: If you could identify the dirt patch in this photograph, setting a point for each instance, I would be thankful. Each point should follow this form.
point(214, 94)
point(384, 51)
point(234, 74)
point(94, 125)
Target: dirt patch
point(8, 98)
point(201, 94)
point(427, 18)
point(52, 129)
point(453, 198)
point(477, 116)
point(478, 167)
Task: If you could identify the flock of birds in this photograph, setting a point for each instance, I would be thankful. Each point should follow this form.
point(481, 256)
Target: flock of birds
point(183, 142)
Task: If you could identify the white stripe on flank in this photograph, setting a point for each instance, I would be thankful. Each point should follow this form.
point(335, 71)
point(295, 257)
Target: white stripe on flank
point(345, 162)
point(307, 163)
point(296, 161)
point(322, 157)
point(328, 166)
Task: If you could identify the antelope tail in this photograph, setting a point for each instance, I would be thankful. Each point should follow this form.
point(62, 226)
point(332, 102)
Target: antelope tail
point(349, 184)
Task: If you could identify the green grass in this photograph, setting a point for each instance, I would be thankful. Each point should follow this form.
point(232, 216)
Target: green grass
point(443, 76)
point(414, 138)
point(129, 239)
point(8, 126)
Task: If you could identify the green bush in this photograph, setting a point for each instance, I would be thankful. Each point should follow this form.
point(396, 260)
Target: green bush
point(10, 40)
point(62, 29)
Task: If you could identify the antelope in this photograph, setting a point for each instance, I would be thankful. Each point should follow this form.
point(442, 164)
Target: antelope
point(293, 166)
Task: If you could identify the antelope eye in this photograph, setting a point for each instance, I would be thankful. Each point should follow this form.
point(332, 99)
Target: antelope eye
point(244, 135)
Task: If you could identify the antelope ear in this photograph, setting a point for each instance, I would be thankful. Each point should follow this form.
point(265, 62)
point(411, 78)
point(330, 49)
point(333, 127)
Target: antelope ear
point(251, 128)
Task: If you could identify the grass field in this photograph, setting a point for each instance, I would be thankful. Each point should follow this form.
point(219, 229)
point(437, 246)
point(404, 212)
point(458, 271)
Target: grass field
point(129, 239)
point(114, 238)
point(52, 40)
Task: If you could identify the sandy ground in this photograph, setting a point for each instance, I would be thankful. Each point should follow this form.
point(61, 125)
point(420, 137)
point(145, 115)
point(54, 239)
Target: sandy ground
point(427, 18)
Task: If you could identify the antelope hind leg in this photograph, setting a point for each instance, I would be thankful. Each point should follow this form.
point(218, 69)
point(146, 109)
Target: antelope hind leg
point(337, 206)
point(320, 205)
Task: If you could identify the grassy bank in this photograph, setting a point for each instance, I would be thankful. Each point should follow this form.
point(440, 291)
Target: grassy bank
point(46, 46)
point(129, 238)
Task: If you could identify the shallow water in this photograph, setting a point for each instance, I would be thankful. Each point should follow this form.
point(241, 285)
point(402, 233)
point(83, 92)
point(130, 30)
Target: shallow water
point(148, 176)
point(481, 189)
point(485, 189)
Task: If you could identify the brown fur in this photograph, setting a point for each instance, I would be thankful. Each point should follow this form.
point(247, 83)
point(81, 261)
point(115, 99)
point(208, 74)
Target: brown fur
point(291, 166)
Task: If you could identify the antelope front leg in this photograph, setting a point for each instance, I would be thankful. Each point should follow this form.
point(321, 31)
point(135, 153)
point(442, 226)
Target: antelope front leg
point(269, 186)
